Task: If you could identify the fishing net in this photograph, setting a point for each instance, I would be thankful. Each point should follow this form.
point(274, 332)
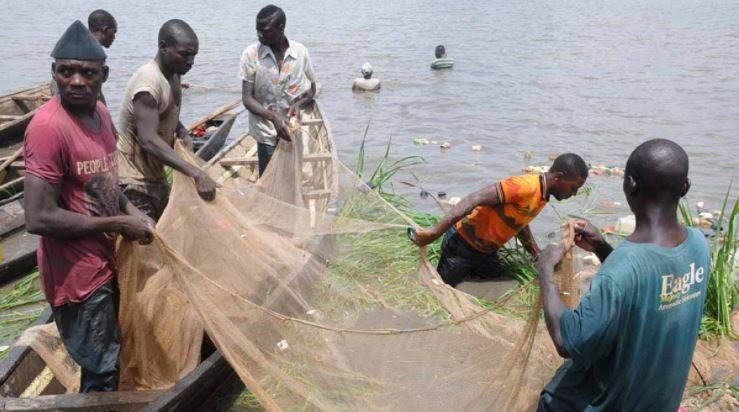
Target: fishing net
point(308, 286)
point(325, 304)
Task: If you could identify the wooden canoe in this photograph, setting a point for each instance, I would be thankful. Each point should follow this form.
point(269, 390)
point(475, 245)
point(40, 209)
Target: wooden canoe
point(17, 110)
point(239, 159)
point(211, 383)
point(19, 247)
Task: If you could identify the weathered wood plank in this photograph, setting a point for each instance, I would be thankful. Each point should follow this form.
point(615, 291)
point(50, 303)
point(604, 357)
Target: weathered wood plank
point(192, 390)
point(18, 369)
point(90, 402)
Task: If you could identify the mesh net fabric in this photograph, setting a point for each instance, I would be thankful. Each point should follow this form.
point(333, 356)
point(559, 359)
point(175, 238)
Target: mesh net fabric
point(318, 303)
point(330, 307)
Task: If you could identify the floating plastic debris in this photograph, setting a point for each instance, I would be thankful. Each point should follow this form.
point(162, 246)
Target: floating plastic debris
point(608, 204)
point(626, 225)
point(536, 169)
point(591, 260)
point(441, 195)
point(421, 140)
point(476, 148)
point(527, 155)
point(603, 170)
point(446, 146)
point(454, 200)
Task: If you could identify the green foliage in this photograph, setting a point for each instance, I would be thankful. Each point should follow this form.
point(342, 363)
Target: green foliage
point(722, 292)
point(19, 307)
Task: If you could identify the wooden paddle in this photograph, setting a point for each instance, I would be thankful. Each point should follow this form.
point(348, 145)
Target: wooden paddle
point(8, 161)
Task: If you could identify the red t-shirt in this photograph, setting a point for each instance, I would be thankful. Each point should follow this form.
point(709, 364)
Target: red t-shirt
point(60, 149)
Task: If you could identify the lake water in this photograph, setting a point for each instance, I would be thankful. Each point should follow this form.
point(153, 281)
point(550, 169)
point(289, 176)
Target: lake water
point(591, 77)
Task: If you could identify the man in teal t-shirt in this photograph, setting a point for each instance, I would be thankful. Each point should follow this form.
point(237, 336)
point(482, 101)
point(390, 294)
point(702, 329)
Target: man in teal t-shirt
point(631, 340)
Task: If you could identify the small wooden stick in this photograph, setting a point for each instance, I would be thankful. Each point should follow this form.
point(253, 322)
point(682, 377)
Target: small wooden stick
point(8, 161)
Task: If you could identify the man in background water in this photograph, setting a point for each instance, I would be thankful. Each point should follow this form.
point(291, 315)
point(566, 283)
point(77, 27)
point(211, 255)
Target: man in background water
point(630, 342)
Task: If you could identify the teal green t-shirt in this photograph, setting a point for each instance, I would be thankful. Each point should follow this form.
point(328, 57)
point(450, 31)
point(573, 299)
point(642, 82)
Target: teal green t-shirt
point(631, 339)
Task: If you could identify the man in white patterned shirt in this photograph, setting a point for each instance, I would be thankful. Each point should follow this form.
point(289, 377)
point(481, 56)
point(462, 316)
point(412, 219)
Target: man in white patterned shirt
point(277, 81)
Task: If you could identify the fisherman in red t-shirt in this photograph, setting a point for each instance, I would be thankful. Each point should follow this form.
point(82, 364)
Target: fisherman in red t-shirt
point(73, 201)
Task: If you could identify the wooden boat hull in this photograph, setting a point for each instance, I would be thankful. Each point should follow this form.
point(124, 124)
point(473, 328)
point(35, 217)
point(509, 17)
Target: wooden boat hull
point(239, 159)
point(17, 109)
point(210, 382)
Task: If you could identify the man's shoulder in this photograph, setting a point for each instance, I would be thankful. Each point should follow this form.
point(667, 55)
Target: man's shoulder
point(520, 186)
point(298, 47)
point(49, 118)
point(251, 51)
point(147, 72)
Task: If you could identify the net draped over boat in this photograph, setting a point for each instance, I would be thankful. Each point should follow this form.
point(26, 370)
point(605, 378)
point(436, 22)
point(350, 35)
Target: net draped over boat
point(321, 307)
point(318, 303)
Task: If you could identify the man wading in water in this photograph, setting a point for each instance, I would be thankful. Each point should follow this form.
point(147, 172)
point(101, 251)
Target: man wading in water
point(630, 342)
point(277, 81)
point(73, 201)
point(484, 221)
point(150, 122)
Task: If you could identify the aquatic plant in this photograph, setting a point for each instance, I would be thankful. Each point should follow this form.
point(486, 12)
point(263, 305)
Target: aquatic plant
point(19, 307)
point(722, 291)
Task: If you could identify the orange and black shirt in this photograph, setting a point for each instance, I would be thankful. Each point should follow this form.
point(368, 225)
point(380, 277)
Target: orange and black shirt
point(488, 228)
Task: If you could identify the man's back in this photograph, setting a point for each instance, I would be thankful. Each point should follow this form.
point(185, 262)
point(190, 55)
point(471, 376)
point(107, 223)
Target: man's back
point(631, 340)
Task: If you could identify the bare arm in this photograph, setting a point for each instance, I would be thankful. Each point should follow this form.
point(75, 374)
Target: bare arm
point(147, 125)
point(528, 241)
point(488, 196)
point(181, 131)
point(553, 305)
point(589, 238)
point(44, 216)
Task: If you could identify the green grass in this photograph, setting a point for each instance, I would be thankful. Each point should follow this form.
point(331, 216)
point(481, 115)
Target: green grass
point(19, 308)
point(722, 291)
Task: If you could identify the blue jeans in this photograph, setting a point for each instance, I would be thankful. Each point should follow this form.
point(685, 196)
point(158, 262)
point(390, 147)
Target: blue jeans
point(459, 260)
point(264, 154)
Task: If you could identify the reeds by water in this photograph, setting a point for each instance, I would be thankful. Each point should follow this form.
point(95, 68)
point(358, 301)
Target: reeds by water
point(723, 293)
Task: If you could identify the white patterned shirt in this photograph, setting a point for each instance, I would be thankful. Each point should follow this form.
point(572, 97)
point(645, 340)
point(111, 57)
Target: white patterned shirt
point(275, 88)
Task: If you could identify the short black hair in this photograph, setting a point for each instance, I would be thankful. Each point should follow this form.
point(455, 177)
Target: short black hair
point(99, 19)
point(270, 10)
point(174, 31)
point(659, 166)
point(570, 165)
point(440, 50)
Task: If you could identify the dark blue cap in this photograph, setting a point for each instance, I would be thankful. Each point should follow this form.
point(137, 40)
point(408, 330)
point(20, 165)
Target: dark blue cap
point(77, 43)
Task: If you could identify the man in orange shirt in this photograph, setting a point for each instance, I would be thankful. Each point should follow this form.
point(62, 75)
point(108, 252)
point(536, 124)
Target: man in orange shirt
point(484, 221)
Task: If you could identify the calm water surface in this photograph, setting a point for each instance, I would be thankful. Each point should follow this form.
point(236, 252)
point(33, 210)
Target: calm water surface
point(591, 77)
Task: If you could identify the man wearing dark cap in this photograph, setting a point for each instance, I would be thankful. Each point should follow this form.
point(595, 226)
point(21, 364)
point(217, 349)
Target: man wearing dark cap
point(73, 201)
point(150, 123)
point(630, 342)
